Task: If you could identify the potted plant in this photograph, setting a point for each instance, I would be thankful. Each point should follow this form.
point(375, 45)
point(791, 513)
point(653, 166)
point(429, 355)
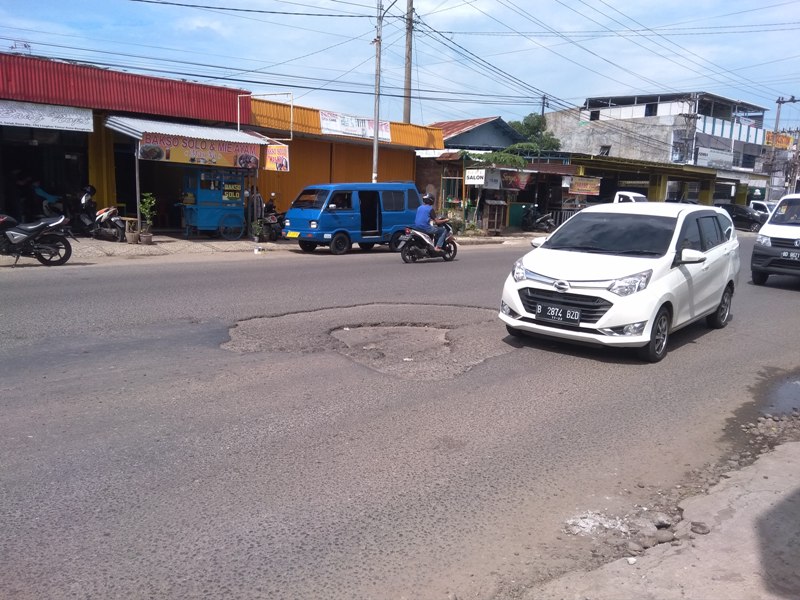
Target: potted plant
point(256, 229)
point(147, 208)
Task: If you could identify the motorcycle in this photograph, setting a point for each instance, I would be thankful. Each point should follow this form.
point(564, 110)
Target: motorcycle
point(103, 223)
point(45, 239)
point(273, 225)
point(415, 245)
point(533, 220)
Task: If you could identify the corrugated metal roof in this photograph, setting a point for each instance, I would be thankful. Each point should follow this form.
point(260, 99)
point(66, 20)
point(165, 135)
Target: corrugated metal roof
point(137, 127)
point(278, 116)
point(31, 79)
point(454, 128)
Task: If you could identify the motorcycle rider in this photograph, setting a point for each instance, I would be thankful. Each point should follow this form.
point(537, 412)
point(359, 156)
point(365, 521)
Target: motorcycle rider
point(426, 221)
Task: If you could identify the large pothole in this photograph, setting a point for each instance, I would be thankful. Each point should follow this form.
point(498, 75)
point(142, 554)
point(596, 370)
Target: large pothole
point(403, 340)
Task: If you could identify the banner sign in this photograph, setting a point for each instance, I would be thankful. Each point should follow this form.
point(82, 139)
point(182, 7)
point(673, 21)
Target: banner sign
point(711, 157)
point(277, 158)
point(781, 141)
point(196, 151)
point(45, 116)
point(340, 124)
point(586, 186)
point(515, 180)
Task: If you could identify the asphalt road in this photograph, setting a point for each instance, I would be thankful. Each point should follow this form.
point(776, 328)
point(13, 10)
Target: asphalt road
point(310, 426)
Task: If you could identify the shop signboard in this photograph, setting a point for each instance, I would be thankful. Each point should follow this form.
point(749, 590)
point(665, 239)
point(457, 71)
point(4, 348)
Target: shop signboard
point(585, 186)
point(277, 157)
point(334, 123)
point(474, 176)
point(45, 116)
point(711, 157)
point(196, 151)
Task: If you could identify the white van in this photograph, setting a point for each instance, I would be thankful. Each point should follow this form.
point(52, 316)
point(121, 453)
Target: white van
point(629, 197)
point(777, 247)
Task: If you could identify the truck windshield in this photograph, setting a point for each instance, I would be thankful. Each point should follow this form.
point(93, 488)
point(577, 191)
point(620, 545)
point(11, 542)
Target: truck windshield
point(310, 198)
point(787, 212)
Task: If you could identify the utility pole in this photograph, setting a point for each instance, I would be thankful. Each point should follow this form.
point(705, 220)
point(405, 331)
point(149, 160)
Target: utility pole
point(780, 101)
point(377, 116)
point(544, 103)
point(409, 37)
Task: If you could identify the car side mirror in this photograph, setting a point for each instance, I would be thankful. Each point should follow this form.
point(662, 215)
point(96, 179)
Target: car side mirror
point(689, 256)
point(538, 241)
point(331, 207)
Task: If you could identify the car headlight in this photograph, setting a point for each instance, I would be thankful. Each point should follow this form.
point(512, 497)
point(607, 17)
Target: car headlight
point(312, 224)
point(625, 286)
point(518, 271)
point(287, 223)
point(763, 240)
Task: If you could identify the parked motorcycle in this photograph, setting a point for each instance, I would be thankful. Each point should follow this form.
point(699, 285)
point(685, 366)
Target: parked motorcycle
point(415, 245)
point(104, 223)
point(533, 220)
point(273, 225)
point(45, 239)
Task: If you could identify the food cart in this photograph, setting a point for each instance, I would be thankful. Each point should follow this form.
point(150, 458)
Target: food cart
point(213, 201)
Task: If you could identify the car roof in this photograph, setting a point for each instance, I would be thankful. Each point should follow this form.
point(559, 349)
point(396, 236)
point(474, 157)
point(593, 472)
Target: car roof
point(662, 209)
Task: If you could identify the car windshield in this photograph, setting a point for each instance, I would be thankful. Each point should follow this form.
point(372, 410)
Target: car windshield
point(613, 233)
point(310, 198)
point(787, 212)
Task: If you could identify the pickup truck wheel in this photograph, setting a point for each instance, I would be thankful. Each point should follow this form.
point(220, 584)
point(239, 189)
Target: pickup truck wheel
point(759, 278)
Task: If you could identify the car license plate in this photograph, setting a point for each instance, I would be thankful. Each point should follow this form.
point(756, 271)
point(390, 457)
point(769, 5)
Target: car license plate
point(558, 314)
point(791, 255)
point(293, 234)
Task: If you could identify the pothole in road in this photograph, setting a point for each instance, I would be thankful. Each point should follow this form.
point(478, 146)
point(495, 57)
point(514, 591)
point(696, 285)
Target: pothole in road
point(409, 341)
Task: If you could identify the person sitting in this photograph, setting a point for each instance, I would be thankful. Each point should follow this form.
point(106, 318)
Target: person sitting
point(426, 221)
point(50, 203)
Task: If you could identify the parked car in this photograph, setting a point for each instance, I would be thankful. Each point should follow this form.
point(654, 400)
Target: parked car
point(777, 247)
point(626, 275)
point(744, 217)
point(763, 206)
point(629, 197)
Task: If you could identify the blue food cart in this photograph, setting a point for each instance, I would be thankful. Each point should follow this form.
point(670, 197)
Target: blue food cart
point(214, 201)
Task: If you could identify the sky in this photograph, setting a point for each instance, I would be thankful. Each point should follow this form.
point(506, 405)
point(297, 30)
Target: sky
point(470, 58)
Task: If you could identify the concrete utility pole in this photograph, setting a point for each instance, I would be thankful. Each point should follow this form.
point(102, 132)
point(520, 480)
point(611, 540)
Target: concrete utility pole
point(780, 101)
point(407, 87)
point(376, 124)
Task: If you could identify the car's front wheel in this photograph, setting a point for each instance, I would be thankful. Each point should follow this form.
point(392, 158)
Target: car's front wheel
point(719, 318)
point(656, 349)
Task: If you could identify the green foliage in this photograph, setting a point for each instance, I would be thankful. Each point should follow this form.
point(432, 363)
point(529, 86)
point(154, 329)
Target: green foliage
point(501, 158)
point(147, 207)
point(534, 128)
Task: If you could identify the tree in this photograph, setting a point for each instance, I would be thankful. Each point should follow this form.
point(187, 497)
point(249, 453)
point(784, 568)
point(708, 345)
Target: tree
point(538, 139)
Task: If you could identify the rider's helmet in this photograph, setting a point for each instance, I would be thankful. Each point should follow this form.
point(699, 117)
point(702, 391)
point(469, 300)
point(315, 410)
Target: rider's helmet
point(427, 198)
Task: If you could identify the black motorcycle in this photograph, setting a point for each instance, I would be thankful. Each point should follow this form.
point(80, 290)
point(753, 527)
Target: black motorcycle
point(45, 239)
point(273, 223)
point(533, 220)
point(415, 245)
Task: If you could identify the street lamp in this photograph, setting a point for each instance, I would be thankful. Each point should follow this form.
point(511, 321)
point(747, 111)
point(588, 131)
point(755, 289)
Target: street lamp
point(376, 121)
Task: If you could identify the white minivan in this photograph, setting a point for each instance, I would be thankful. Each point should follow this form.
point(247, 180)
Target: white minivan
point(626, 275)
point(777, 247)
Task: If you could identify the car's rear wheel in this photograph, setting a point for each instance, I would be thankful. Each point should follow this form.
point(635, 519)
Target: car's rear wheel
point(656, 348)
point(719, 318)
point(759, 278)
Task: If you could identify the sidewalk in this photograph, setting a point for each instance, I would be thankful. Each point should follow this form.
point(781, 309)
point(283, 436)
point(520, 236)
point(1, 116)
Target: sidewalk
point(741, 541)
point(164, 244)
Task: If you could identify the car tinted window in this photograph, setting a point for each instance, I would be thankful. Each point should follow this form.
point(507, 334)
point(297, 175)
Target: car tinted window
point(690, 236)
point(393, 200)
point(710, 233)
point(613, 233)
point(413, 200)
point(342, 200)
point(725, 226)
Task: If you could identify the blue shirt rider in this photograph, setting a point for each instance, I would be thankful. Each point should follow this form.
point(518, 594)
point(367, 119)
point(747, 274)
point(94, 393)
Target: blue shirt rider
point(426, 221)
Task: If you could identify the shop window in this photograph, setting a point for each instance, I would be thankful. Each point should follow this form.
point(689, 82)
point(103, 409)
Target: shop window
point(651, 110)
point(605, 151)
point(594, 115)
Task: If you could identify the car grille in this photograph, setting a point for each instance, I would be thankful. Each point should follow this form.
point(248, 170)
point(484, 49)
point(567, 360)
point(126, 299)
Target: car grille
point(782, 242)
point(591, 307)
